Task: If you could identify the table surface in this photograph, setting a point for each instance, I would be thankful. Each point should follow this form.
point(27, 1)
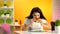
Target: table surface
point(25, 32)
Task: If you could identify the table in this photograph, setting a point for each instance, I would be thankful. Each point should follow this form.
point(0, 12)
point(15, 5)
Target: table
point(26, 32)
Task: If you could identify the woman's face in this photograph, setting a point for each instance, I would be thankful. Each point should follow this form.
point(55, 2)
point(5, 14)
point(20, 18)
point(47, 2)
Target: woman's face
point(36, 15)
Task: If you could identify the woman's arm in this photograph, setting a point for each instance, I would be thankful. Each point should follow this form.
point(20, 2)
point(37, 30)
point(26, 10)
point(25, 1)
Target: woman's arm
point(46, 25)
point(26, 22)
point(26, 26)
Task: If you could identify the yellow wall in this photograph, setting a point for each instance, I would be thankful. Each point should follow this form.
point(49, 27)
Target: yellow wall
point(22, 8)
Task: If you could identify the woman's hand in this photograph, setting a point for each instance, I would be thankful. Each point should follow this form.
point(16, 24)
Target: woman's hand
point(40, 20)
point(33, 20)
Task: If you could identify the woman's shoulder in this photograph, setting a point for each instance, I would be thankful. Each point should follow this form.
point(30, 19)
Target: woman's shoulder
point(43, 20)
point(26, 19)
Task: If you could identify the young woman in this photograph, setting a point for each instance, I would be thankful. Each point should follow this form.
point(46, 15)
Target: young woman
point(36, 20)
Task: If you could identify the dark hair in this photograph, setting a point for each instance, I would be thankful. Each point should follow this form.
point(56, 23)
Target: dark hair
point(36, 9)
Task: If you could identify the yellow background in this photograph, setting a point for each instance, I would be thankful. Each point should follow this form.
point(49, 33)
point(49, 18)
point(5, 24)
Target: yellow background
point(22, 8)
